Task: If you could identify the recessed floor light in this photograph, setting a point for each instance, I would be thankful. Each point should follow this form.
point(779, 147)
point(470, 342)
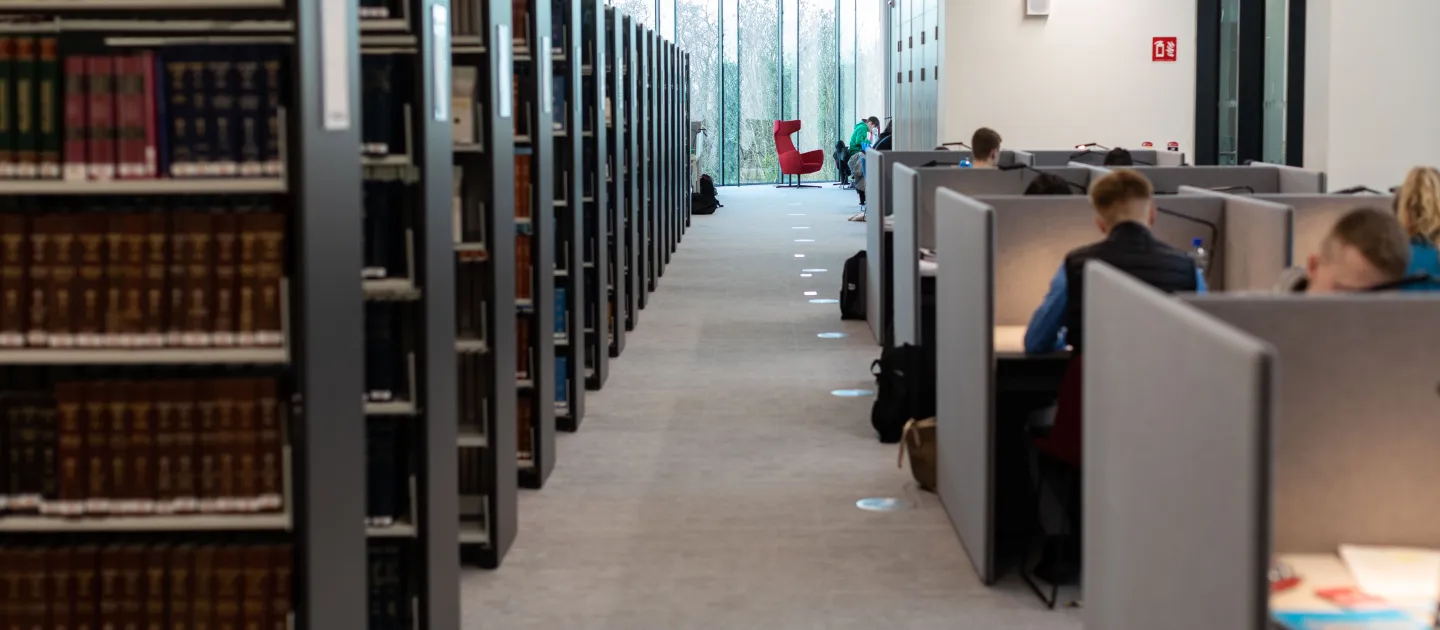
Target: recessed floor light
point(884, 504)
point(806, 275)
point(799, 255)
point(800, 227)
point(804, 240)
point(824, 301)
point(813, 270)
point(812, 293)
point(851, 393)
point(796, 214)
point(832, 335)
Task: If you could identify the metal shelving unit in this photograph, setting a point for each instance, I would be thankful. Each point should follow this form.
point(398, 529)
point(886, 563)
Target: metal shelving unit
point(595, 198)
point(482, 146)
point(570, 347)
point(628, 171)
point(615, 186)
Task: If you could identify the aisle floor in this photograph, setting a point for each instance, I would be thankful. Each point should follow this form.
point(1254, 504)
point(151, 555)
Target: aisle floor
point(712, 484)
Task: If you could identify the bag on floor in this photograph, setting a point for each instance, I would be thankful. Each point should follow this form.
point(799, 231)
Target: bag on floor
point(904, 389)
point(852, 287)
point(918, 439)
point(705, 201)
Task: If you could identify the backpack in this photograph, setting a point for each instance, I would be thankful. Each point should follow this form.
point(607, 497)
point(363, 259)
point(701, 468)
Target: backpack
point(707, 187)
point(905, 390)
point(852, 287)
point(705, 201)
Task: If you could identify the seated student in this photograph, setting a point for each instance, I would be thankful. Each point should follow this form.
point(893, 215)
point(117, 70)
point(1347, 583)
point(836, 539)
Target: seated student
point(985, 144)
point(1417, 206)
point(1124, 211)
point(1365, 251)
point(1119, 157)
point(1049, 184)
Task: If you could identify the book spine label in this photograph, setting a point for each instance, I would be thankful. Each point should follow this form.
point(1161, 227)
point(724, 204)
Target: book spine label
point(101, 136)
point(226, 244)
point(77, 118)
point(62, 291)
point(49, 108)
point(26, 127)
point(7, 107)
point(14, 236)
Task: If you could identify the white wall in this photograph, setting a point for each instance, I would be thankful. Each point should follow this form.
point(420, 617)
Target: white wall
point(1083, 74)
point(1372, 90)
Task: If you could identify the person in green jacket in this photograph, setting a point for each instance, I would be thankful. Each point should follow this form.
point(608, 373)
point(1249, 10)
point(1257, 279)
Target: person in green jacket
point(862, 132)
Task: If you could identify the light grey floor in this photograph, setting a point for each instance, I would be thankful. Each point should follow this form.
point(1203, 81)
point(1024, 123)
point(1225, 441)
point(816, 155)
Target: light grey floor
point(713, 482)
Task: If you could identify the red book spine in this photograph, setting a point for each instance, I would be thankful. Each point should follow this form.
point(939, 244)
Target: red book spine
point(77, 117)
point(129, 118)
point(148, 93)
point(102, 117)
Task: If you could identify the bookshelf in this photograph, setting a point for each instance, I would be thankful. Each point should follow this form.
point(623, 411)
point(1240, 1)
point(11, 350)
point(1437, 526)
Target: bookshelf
point(483, 147)
point(689, 139)
point(649, 81)
point(594, 195)
point(207, 422)
point(569, 213)
point(408, 283)
point(534, 239)
point(634, 291)
point(615, 219)
point(665, 63)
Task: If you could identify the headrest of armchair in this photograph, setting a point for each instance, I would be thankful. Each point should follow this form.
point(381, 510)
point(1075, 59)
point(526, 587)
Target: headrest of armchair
point(786, 127)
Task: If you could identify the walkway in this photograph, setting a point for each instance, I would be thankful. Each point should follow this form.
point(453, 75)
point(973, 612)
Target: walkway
point(713, 482)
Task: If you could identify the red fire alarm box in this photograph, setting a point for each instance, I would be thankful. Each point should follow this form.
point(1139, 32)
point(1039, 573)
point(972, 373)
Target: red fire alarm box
point(1164, 49)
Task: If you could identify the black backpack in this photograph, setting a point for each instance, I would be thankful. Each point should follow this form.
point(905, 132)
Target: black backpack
point(852, 287)
point(905, 389)
point(705, 201)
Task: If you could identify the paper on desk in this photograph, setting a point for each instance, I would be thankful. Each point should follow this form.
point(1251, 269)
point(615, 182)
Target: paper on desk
point(1398, 574)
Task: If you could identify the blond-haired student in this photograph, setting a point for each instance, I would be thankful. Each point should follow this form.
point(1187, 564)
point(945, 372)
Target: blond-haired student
point(1417, 206)
point(1124, 204)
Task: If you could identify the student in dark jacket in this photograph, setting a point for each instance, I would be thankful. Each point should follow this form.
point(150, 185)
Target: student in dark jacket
point(1124, 211)
point(841, 157)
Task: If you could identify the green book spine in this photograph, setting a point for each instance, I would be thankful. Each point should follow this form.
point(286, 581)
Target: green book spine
point(26, 128)
point(7, 109)
point(50, 111)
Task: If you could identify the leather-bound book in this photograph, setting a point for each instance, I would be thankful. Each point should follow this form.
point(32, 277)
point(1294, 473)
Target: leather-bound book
point(229, 587)
point(226, 445)
point(60, 575)
point(122, 496)
point(525, 429)
point(156, 264)
point(177, 274)
point(64, 259)
point(46, 467)
point(32, 605)
point(111, 570)
point(202, 589)
point(112, 309)
point(186, 471)
point(166, 410)
point(180, 587)
point(133, 319)
point(270, 447)
point(132, 588)
point(281, 587)
point(225, 300)
point(207, 434)
point(14, 261)
point(97, 447)
point(157, 561)
point(141, 403)
point(269, 228)
point(247, 444)
point(247, 283)
point(90, 291)
point(85, 563)
point(37, 324)
point(255, 602)
point(47, 108)
point(100, 70)
point(70, 443)
point(199, 280)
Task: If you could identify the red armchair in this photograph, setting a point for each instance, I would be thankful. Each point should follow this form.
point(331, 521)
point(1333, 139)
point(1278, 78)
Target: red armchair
point(792, 161)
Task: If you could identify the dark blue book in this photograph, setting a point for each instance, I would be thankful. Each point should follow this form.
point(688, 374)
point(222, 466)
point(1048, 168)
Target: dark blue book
point(382, 472)
point(202, 118)
point(562, 380)
point(562, 313)
point(557, 101)
point(249, 115)
point(273, 81)
point(223, 122)
point(177, 156)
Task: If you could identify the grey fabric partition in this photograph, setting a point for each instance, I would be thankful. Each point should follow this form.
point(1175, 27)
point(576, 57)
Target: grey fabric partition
point(1257, 242)
point(965, 356)
point(1315, 214)
point(1169, 179)
point(1203, 211)
point(880, 166)
point(1063, 157)
point(1177, 410)
point(1355, 446)
point(1032, 236)
point(1297, 180)
point(914, 198)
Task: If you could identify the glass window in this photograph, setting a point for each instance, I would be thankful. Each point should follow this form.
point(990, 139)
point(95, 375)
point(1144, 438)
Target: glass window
point(759, 90)
point(642, 10)
point(789, 66)
point(871, 76)
point(1277, 47)
point(697, 30)
point(847, 69)
point(819, 82)
point(667, 19)
point(730, 102)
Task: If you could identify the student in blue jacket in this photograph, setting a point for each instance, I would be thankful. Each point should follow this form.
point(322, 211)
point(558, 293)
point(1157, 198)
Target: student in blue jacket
point(1418, 209)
